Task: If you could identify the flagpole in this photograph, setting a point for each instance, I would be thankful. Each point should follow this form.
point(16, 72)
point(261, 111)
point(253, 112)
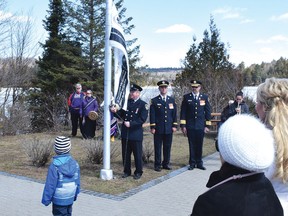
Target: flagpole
point(106, 173)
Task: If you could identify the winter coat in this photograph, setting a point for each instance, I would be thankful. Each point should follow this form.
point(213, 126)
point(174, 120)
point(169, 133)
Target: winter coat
point(88, 104)
point(244, 108)
point(63, 181)
point(251, 195)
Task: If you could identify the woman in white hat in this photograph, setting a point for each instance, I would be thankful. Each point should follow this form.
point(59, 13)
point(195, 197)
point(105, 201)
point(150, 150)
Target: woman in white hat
point(240, 187)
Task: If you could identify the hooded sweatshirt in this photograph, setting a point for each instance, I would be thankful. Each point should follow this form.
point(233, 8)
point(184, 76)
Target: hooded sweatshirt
point(63, 181)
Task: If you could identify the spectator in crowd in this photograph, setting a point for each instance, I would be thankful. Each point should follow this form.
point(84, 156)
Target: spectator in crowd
point(195, 118)
point(62, 184)
point(239, 106)
point(163, 122)
point(75, 103)
point(240, 187)
point(88, 112)
point(272, 109)
point(132, 131)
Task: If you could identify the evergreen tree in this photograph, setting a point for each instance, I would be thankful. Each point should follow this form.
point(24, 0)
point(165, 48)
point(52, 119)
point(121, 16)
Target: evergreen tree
point(208, 62)
point(87, 25)
point(59, 68)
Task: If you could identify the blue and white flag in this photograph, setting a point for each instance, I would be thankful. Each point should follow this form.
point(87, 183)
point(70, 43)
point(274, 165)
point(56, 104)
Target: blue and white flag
point(121, 67)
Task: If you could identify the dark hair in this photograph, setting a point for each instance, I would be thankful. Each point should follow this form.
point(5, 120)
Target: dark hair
point(240, 93)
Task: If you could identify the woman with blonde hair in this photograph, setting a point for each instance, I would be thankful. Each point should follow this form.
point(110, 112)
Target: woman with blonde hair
point(272, 109)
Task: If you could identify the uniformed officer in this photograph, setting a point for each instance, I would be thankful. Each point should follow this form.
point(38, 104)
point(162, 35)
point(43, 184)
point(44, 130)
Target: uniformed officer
point(132, 131)
point(163, 122)
point(195, 118)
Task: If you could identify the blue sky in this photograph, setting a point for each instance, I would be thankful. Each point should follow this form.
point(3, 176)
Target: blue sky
point(255, 30)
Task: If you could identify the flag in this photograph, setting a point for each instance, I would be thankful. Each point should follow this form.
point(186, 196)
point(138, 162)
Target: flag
point(121, 67)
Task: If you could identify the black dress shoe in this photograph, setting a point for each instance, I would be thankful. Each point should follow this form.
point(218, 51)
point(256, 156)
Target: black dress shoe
point(137, 176)
point(191, 167)
point(167, 167)
point(157, 169)
point(201, 167)
point(125, 175)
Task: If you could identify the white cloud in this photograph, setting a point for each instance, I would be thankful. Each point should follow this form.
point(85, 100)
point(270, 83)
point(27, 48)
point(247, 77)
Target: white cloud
point(177, 28)
point(246, 21)
point(280, 18)
point(273, 39)
point(229, 13)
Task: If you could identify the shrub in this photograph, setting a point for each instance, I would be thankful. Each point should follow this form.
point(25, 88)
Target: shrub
point(148, 150)
point(94, 150)
point(38, 151)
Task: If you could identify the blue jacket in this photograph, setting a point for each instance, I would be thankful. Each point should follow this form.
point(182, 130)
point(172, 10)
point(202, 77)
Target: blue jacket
point(63, 181)
point(75, 102)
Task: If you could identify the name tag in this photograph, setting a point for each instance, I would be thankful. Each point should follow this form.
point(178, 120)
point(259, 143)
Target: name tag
point(171, 106)
point(202, 103)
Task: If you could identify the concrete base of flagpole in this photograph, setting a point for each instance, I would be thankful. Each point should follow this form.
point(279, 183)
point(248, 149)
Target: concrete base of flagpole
point(106, 174)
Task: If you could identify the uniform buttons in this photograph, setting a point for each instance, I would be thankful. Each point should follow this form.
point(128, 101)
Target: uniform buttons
point(165, 120)
point(165, 111)
point(165, 116)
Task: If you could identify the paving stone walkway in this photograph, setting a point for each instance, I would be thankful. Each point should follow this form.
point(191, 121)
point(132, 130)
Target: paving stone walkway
point(173, 194)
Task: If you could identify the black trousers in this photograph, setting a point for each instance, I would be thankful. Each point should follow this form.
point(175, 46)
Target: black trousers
point(89, 128)
point(160, 140)
point(76, 120)
point(61, 210)
point(195, 139)
point(129, 147)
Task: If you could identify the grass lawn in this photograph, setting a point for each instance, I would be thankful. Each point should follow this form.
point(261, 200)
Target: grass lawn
point(14, 160)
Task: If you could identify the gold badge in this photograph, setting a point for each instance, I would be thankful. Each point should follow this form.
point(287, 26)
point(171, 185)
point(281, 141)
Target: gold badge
point(202, 103)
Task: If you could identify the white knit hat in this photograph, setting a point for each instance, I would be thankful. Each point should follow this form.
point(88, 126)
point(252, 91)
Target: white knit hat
point(62, 145)
point(246, 143)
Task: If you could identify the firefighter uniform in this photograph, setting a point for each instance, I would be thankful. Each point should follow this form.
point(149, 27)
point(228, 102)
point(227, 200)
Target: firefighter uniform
point(195, 116)
point(163, 117)
point(132, 137)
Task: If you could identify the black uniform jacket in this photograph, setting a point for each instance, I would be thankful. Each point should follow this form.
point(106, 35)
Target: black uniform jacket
point(248, 196)
point(163, 115)
point(195, 114)
point(136, 114)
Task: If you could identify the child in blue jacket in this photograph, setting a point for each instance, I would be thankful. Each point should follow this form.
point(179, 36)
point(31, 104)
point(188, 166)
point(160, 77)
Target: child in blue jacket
point(63, 179)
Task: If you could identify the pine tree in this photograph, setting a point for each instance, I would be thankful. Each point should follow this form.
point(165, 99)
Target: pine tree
point(208, 62)
point(59, 68)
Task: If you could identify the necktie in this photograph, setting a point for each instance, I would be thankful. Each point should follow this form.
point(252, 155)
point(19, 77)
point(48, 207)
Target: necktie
point(164, 99)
